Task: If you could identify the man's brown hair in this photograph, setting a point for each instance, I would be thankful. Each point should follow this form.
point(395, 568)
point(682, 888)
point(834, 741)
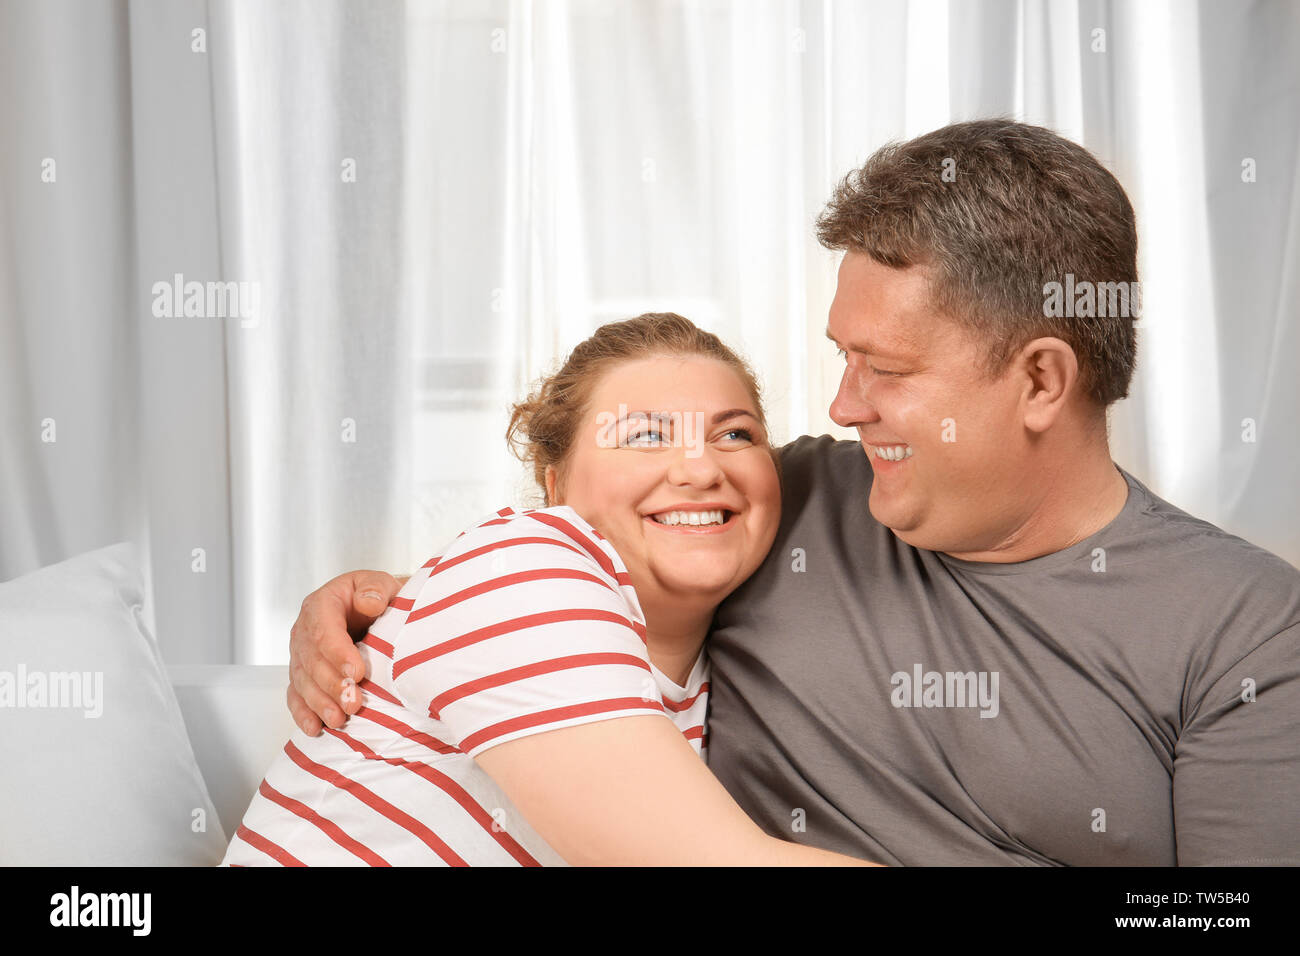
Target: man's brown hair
point(1020, 207)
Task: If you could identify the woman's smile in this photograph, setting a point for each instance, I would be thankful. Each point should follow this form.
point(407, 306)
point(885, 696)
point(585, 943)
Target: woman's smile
point(705, 518)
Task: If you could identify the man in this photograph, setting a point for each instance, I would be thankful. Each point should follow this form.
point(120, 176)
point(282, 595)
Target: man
point(981, 642)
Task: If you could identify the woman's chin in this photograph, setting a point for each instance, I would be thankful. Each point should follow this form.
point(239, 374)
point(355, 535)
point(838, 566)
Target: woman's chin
point(706, 585)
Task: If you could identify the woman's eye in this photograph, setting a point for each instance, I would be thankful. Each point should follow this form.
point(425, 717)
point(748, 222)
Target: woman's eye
point(743, 434)
point(647, 437)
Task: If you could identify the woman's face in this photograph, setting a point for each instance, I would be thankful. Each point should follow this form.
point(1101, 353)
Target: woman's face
point(669, 445)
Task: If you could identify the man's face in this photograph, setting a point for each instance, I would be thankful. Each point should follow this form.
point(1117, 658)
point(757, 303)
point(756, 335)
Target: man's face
point(947, 444)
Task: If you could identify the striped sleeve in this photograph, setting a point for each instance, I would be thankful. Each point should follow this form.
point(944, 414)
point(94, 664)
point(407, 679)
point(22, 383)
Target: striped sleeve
point(523, 627)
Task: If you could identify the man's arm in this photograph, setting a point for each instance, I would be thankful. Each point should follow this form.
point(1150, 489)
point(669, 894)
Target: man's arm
point(324, 664)
point(1237, 764)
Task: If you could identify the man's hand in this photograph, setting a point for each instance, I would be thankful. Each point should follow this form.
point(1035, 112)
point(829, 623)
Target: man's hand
point(324, 666)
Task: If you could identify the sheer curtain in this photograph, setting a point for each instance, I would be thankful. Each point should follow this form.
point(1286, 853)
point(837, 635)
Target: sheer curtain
point(432, 201)
point(310, 114)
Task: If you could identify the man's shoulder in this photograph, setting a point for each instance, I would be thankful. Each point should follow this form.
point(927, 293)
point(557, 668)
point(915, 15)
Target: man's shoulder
point(825, 482)
point(1163, 524)
point(809, 457)
point(811, 449)
point(1210, 567)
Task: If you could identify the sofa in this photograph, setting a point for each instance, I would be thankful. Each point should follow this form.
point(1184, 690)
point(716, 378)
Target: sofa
point(111, 757)
point(237, 723)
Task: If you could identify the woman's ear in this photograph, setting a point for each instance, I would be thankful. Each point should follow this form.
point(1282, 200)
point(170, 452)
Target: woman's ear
point(551, 481)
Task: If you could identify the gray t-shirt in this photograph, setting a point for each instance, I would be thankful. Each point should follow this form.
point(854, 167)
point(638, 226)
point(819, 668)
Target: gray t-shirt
point(1131, 700)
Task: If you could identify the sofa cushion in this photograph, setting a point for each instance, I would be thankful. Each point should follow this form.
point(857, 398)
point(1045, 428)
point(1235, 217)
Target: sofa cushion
point(96, 766)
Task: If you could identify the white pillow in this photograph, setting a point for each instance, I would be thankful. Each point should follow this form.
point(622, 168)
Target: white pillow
point(96, 768)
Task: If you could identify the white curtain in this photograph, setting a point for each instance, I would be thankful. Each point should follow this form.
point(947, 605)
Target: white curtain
point(432, 201)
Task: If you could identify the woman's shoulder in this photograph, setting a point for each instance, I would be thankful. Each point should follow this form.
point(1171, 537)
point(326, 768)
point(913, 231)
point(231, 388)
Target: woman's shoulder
point(516, 539)
point(514, 570)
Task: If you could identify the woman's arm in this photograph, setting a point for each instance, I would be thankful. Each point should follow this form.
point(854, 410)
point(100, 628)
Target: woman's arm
point(632, 792)
point(624, 791)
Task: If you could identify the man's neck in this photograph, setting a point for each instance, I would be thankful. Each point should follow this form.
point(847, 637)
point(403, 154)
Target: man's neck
point(1078, 500)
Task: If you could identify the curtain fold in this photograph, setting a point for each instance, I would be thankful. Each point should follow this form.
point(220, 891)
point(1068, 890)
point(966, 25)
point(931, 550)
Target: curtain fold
point(68, 363)
point(309, 109)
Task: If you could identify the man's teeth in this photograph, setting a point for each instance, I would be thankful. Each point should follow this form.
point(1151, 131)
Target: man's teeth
point(691, 517)
point(892, 452)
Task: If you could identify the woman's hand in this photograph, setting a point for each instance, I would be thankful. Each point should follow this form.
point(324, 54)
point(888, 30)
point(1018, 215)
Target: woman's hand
point(324, 664)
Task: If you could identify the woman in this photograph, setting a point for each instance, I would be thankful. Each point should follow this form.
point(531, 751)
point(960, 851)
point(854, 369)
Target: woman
point(519, 683)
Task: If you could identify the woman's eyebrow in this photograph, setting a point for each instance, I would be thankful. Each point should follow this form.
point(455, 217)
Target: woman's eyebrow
point(718, 418)
point(733, 413)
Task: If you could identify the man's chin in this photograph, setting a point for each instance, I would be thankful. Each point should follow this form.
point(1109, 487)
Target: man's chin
point(903, 521)
point(890, 512)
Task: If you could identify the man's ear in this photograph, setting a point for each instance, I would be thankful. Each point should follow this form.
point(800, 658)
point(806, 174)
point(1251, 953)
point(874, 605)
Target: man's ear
point(552, 477)
point(1050, 371)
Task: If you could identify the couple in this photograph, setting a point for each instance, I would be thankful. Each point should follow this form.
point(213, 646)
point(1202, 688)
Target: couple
point(518, 686)
point(980, 642)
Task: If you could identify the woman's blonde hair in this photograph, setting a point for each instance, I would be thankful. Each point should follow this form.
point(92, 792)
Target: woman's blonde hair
point(543, 426)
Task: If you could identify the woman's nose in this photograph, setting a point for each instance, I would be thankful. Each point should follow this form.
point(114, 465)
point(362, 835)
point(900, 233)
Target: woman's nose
point(697, 467)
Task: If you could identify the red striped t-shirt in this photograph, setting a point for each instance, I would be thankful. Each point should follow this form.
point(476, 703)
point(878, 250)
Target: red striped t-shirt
point(528, 622)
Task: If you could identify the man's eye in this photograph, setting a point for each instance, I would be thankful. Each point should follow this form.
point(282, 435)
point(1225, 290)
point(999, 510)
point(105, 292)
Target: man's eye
point(882, 371)
point(841, 353)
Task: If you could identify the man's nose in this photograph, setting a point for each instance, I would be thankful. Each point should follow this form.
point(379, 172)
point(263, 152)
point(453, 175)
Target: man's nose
point(850, 406)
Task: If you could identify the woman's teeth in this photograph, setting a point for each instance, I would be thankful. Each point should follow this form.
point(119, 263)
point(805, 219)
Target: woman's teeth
point(691, 517)
point(892, 452)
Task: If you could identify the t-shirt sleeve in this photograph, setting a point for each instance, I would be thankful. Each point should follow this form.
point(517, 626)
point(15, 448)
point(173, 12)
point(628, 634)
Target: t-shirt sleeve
point(1237, 764)
point(520, 630)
